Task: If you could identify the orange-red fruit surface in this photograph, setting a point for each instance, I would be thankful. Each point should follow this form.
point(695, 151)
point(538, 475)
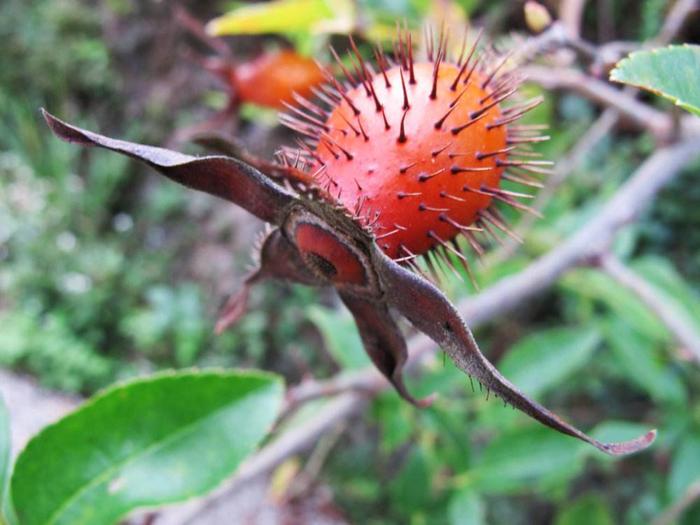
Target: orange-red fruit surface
point(423, 184)
point(272, 78)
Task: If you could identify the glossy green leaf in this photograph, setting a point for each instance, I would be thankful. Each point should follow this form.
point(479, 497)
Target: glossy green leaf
point(685, 466)
point(285, 16)
point(545, 359)
point(672, 72)
point(466, 508)
point(526, 459)
point(145, 443)
point(587, 510)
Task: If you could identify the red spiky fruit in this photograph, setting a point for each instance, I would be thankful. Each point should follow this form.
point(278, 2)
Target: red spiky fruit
point(421, 173)
point(271, 79)
point(417, 150)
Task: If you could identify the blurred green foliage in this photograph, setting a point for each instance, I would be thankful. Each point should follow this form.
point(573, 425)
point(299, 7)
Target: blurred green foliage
point(93, 287)
point(89, 289)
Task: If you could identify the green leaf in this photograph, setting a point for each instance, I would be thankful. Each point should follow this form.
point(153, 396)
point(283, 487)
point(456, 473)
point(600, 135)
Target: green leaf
point(671, 286)
point(595, 285)
point(543, 360)
point(640, 362)
point(526, 459)
point(145, 443)
point(587, 510)
point(5, 459)
point(395, 419)
point(340, 335)
point(466, 508)
point(685, 467)
point(672, 72)
point(285, 16)
point(411, 489)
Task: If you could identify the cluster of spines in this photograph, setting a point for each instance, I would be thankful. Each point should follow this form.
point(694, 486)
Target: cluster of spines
point(309, 118)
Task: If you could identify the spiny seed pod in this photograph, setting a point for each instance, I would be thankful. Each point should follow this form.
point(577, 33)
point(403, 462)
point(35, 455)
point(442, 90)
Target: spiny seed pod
point(417, 150)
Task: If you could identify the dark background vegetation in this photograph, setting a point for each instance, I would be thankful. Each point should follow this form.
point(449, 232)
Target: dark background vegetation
point(107, 272)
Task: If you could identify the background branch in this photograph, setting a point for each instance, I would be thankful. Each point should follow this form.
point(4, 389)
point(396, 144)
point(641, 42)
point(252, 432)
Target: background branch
point(675, 20)
point(564, 167)
point(676, 510)
point(632, 197)
point(571, 15)
point(683, 331)
point(637, 113)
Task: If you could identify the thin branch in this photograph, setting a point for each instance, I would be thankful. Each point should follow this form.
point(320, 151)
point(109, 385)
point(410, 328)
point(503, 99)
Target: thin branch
point(625, 206)
point(564, 167)
point(641, 115)
point(608, 54)
point(317, 459)
point(675, 20)
point(196, 28)
point(314, 389)
point(555, 37)
point(631, 110)
point(301, 437)
point(571, 15)
point(676, 322)
point(675, 511)
point(605, 20)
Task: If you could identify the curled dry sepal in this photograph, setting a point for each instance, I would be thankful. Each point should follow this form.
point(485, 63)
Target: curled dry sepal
point(393, 165)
